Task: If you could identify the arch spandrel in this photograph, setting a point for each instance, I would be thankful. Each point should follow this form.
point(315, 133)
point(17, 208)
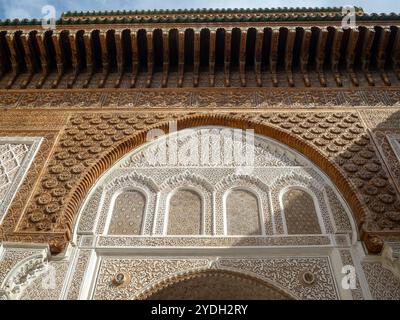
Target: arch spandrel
point(325, 145)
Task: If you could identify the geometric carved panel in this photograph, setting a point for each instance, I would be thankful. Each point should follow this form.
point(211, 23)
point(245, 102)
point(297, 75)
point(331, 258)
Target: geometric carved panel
point(300, 214)
point(128, 213)
point(242, 211)
point(16, 155)
point(185, 213)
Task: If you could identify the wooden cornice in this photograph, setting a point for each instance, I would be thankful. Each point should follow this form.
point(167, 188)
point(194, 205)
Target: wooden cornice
point(332, 53)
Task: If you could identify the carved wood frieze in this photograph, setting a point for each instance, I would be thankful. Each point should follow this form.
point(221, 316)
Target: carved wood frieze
point(221, 99)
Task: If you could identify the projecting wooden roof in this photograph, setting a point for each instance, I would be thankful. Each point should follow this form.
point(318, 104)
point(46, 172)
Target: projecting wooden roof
point(287, 47)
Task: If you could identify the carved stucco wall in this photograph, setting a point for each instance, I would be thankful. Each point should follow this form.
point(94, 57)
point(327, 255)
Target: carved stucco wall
point(385, 121)
point(383, 284)
point(205, 191)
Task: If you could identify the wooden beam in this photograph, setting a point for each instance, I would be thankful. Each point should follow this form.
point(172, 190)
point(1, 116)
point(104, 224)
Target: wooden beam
point(44, 61)
point(395, 55)
point(320, 55)
point(165, 35)
point(87, 40)
point(335, 55)
point(150, 58)
point(135, 58)
point(196, 58)
point(291, 36)
point(257, 55)
point(242, 57)
point(55, 37)
point(304, 55)
point(211, 58)
point(381, 54)
point(75, 58)
point(28, 59)
point(181, 56)
point(366, 54)
point(227, 57)
point(273, 56)
point(104, 59)
point(119, 56)
point(350, 55)
point(10, 37)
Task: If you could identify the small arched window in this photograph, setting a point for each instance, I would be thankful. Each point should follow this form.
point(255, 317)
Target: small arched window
point(128, 213)
point(300, 213)
point(242, 213)
point(185, 213)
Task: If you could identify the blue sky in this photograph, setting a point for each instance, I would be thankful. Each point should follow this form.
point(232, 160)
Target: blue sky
point(32, 8)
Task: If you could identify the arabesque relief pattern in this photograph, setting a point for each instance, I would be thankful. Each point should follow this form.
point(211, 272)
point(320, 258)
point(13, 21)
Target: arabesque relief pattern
point(147, 273)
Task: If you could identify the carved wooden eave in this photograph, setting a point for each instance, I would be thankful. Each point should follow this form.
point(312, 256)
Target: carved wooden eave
point(79, 54)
